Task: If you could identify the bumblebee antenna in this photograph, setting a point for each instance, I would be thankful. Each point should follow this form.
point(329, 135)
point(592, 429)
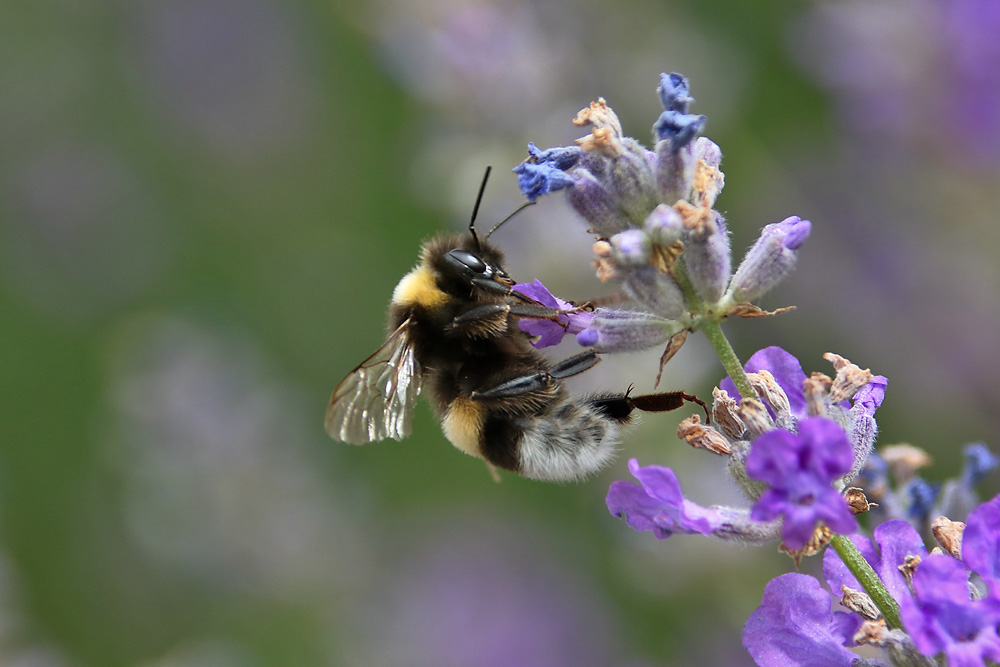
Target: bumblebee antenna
point(516, 211)
point(475, 209)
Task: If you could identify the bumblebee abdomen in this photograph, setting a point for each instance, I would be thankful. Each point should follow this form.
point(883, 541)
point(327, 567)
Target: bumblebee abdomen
point(462, 422)
point(566, 442)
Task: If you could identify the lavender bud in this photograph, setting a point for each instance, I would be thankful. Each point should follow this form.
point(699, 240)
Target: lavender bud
point(657, 292)
point(626, 331)
point(708, 179)
point(632, 247)
point(707, 151)
point(664, 225)
point(707, 255)
point(633, 182)
point(770, 259)
point(673, 92)
point(591, 200)
point(674, 171)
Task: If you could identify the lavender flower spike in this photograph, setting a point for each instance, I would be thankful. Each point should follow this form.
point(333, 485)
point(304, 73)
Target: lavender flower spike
point(770, 260)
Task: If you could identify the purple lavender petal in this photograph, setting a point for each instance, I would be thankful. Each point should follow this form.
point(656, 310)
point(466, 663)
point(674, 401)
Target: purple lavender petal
point(560, 157)
point(549, 332)
point(674, 92)
point(981, 540)
point(799, 468)
point(870, 396)
point(794, 626)
point(836, 573)
point(787, 372)
point(538, 292)
point(941, 617)
point(659, 505)
point(536, 180)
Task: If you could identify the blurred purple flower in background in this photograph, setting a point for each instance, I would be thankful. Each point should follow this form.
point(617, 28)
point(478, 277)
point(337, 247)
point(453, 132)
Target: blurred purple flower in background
point(476, 591)
point(899, 69)
point(217, 479)
point(493, 60)
point(909, 195)
point(232, 73)
point(84, 234)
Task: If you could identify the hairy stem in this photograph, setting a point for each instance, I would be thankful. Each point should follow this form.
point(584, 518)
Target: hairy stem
point(866, 576)
point(728, 357)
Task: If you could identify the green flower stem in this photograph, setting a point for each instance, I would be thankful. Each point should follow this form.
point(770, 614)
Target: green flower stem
point(727, 356)
point(866, 576)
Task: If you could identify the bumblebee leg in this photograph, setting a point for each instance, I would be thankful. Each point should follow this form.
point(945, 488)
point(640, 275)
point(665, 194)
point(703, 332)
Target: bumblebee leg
point(667, 401)
point(519, 386)
point(492, 311)
point(620, 407)
point(574, 365)
point(542, 380)
point(490, 320)
point(492, 285)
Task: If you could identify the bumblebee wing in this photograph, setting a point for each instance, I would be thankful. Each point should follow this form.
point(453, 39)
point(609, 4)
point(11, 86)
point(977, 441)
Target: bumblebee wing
point(375, 401)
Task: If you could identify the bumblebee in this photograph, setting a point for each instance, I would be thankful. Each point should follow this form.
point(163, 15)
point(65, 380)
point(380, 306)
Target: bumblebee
point(453, 324)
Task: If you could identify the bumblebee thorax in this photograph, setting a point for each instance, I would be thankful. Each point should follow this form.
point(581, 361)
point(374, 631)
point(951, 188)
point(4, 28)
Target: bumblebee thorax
point(419, 288)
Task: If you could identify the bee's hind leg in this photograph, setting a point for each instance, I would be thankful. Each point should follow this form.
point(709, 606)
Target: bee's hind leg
point(620, 407)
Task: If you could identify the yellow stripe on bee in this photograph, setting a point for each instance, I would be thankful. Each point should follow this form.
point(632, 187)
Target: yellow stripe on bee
point(463, 424)
point(418, 288)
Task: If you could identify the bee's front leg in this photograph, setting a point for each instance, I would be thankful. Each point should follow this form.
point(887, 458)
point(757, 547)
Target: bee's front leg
point(491, 319)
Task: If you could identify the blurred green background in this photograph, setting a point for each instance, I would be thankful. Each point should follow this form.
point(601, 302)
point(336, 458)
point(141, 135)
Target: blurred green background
point(205, 205)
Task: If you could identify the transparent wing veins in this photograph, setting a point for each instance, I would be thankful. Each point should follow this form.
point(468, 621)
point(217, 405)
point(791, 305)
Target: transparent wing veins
point(375, 401)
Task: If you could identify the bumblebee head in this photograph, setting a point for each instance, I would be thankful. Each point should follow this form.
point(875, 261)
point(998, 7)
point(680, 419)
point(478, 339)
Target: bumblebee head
point(460, 263)
point(458, 266)
point(469, 266)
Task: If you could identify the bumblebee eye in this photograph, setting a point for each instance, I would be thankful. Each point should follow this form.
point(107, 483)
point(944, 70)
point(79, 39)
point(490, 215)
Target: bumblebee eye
point(467, 260)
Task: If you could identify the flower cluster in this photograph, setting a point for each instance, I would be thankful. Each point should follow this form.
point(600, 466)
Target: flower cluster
point(787, 450)
point(794, 443)
point(658, 234)
point(944, 611)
